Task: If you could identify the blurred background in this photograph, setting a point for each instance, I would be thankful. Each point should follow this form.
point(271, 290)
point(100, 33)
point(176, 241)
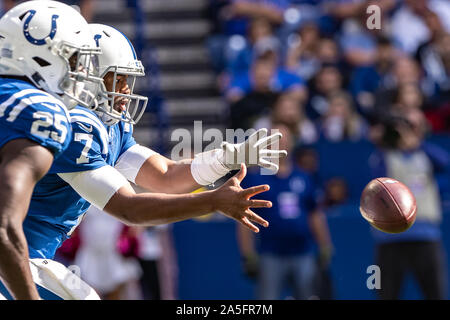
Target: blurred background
point(358, 102)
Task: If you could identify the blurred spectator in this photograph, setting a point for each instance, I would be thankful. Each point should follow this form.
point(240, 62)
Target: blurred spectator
point(302, 57)
point(328, 51)
point(404, 155)
point(240, 51)
point(366, 80)
point(238, 13)
point(434, 54)
point(112, 273)
point(408, 24)
point(157, 261)
point(232, 22)
point(148, 255)
point(408, 97)
point(358, 42)
point(289, 112)
point(406, 71)
point(266, 76)
point(167, 265)
point(341, 121)
point(335, 193)
point(284, 253)
point(253, 93)
point(307, 159)
point(327, 81)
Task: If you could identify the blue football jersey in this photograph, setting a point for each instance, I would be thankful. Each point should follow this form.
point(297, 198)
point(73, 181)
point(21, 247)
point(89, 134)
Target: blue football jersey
point(55, 208)
point(293, 201)
point(30, 113)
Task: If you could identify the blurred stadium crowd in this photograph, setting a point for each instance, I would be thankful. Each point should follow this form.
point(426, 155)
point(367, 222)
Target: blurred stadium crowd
point(358, 102)
point(323, 59)
point(336, 80)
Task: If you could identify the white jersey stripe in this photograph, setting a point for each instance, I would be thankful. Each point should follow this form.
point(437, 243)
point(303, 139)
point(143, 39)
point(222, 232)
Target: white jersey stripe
point(87, 114)
point(24, 102)
point(101, 129)
point(16, 96)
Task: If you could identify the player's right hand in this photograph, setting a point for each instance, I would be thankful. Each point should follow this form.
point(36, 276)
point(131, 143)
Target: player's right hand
point(235, 202)
point(253, 151)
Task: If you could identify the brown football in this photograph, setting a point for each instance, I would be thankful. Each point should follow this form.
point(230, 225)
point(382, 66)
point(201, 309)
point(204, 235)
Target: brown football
point(388, 205)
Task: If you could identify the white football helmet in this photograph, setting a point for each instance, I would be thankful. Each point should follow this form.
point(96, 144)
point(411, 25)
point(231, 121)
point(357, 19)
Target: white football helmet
point(118, 58)
point(50, 43)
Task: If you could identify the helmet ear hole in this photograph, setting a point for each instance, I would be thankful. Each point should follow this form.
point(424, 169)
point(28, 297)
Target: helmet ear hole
point(22, 15)
point(41, 62)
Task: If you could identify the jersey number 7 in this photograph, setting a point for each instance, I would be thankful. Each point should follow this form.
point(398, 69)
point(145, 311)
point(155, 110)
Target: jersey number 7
point(84, 153)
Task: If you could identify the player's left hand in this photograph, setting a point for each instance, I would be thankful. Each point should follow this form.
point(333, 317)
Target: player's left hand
point(254, 151)
point(236, 203)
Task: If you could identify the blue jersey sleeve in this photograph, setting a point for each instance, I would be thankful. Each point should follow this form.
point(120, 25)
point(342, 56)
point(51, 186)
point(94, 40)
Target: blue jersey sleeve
point(35, 115)
point(29, 113)
point(88, 149)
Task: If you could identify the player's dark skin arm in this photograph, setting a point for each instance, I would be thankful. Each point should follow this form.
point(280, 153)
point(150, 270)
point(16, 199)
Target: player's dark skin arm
point(22, 164)
point(160, 174)
point(157, 208)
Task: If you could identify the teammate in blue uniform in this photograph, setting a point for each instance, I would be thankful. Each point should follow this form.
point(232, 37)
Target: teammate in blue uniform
point(103, 158)
point(95, 145)
point(283, 255)
point(39, 78)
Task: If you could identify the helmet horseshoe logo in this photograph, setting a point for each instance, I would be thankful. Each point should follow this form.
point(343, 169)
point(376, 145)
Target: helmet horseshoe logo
point(31, 39)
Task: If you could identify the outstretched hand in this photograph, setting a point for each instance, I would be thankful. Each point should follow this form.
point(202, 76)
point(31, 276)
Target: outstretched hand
point(235, 202)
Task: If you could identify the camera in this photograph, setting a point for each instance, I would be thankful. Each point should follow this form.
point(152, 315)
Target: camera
point(391, 135)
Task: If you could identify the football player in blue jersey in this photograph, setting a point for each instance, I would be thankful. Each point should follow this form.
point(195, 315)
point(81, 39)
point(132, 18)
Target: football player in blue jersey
point(102, 160)
point(45, 66)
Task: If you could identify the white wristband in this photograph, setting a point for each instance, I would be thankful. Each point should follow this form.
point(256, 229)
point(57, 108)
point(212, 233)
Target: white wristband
point(206, 168)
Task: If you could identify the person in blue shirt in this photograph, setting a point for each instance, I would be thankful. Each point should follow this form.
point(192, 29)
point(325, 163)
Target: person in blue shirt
point(103, 158)
point(265, 76)
point(252, 93)
point(40, 78)
point(404, 155)
point(283, 256)
point(236, 16)
point(367, 80)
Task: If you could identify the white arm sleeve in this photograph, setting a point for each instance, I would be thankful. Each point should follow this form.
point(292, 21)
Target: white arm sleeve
point(131, 161)
point(96, 186)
